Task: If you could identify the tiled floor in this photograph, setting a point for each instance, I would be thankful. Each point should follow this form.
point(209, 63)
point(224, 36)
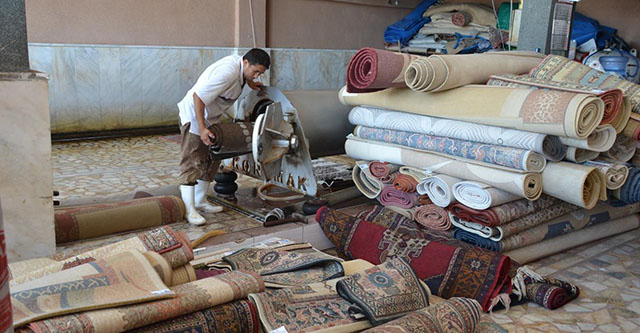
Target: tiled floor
point(607, 271)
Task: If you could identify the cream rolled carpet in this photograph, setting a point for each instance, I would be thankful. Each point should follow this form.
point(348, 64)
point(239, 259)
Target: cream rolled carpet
point(438, 189)
point(370, 186)
point(615, 174)
point(574, 183)
point(623, 149)
point(542, 111)
point(579, 155)
point(527, 185)
point(602, 139)
point(480, 196)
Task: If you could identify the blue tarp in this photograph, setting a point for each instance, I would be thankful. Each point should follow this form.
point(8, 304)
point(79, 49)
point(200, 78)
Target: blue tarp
point(585, 28)
point(404, 29)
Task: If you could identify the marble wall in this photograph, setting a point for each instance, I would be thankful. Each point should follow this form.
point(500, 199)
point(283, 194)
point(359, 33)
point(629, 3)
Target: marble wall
point(105, 87)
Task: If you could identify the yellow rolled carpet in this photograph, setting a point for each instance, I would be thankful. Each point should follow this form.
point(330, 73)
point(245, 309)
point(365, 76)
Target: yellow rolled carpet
point(183, 274)
point(443, 72)
point(541, 111)
point(574, 183)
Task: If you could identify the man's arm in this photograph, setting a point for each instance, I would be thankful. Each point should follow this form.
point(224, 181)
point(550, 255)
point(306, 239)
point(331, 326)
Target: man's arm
point(205, 133)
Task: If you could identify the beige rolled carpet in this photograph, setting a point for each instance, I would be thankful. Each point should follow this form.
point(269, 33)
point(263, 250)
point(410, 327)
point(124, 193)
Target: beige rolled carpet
point(615, 174)
point(542, 111)
point(632, 130)
point(417, 174)
point(443, 72)
point(623, 150)
point(527, 185)
point(602, 139)
point(558, 244)
point(579, 155)
point(574, 183)
point(369, 185)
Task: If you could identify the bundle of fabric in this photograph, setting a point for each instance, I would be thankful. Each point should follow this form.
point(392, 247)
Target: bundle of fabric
point(372, 70)
point(616, 111)
point(174, 246)
point(542, 111)
point(630, 191)
point(456, 314)
point(457, 271)
point(508, 158)
point(480, 196)
point(547, 145)
point(403, 30)
point(188, 298)
point(230, 140)
point(5, 299)
point(615, 174)
point(90, 221)
point(443, 72)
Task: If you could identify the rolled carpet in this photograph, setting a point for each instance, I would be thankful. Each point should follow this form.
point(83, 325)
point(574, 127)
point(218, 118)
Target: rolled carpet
point(474, 152)
point(562, 243)
point(432, 217)
point(579, 155)
point(443, 72)
point(616, 111)
point(574, 183)
point(504, 213)
point(527, 185)
point(90, 221)
point(630, 191)
point(372, 69)
point(438, 188)
point(382, 169)
point(367, 184)
point(632, 130)
point(456, 314)
point(392, 197)
point(480, 196)
point(231, 140)
point(561, 69)
point(532, 220)
point(602, 139)
point(405, 183)
point(623, 149)
point(542, 111)
point(388, 218)
point(476, 240)
point(474, 228)
point(547, 145)
point(615, 174)
point(417, 174)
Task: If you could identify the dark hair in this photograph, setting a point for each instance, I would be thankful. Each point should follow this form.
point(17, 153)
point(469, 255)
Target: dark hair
point(258, 57)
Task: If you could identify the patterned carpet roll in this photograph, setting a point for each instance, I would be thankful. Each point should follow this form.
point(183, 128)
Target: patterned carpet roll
point(456, 314)
point(433, 217)
point(438, 188)
point(532, 220)
point(614, 173)
point(574, 183)
point(504, 213)
point(90, 221)
point(474, 228)
point(449, 271)
point(632, 130)
point(231, 140)
point(474, 152)
point(547, 145)
point(370, 70)
point(551, 293)
point(602, 139)
point(238, 316)
point(392, 197)
point(561, 69)
point(382, 169)
point(616, 111)
point(405, 183)
point(388, 218)
point(476, 240)
point(630, 191)
point(6, 324)
point(480, 196)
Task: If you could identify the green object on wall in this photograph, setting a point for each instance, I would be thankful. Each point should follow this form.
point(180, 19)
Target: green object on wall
point(504, 14)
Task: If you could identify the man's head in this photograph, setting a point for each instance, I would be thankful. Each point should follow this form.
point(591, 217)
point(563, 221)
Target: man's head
point(256, 62)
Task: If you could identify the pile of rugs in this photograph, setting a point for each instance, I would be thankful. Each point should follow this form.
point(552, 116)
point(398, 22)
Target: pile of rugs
point(531, 163)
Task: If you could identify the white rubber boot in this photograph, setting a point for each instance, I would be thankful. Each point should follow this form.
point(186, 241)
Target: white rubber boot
point(201, 201)
point(187, 192)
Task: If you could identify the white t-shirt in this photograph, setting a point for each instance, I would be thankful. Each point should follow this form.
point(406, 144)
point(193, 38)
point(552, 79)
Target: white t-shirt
point(219, 86)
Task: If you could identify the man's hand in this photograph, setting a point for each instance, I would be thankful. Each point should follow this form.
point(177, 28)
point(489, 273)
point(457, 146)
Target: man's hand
point(255, 85)
point(206, 136)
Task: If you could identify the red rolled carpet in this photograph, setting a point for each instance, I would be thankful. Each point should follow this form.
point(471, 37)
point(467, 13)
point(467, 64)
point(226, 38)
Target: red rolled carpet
point(372, 70)
point(382, 169)
point(405, 183)
point(433, 217)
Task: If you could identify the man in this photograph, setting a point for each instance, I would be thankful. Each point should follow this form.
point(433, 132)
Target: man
point(217, 88)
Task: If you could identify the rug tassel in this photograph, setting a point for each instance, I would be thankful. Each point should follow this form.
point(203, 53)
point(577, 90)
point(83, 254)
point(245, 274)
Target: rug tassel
point(519, 286)
point(501, 298)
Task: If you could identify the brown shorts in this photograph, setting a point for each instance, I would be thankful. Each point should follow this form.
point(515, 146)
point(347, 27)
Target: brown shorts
point(195, 162)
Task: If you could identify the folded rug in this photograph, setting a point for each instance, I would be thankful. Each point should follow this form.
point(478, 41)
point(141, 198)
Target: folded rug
point(622, 150)
point(498, 156)
point(6, 324)
point(630, 191)
point(474, 228)
point(562, 243)
point(602, 139)
point(527, 185)
point(480, 196)
point(532, 220)
point(384, 292)
point(237, 316)
point(230, 140)
point(389, 218)
point(476, 240)
point(382, 169)
point(438, 188)
point(547, 145)
point(90, 221)
point(190, 297)
point(576, 220)
point(615, 174)
point(433, 217)
point(504, 213)
point(369, 185)
point(443, 72)
point(307, 308)
point(456, 314)
point(578, 184)
point(561, 69)
point(392, 197)
point(579, 155)
point(124, 278)
point(405, 183)
point(449, 271)
point(616, 111)
point(371, 69)
point(174, 246)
